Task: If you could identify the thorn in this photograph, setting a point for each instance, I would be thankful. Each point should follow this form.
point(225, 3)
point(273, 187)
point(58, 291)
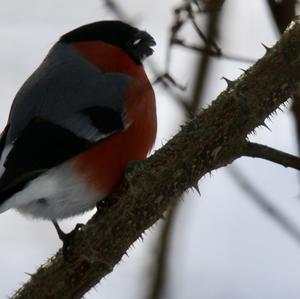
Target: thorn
point(280, 109)
point(243, 70)
point(266, 48)
point(274, 113)
point(196, 187)
point(229, 82)
point(163, 217)
point(266, 126)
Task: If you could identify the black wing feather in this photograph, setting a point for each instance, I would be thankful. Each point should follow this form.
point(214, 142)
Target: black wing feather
point(105, 119)
point(2, 139)
point(43, 145)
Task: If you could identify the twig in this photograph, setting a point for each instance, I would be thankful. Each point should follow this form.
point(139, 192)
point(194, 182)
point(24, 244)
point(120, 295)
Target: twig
point(256, 150)
point(296, 113)
point(189, 15)
point(265, 204)
point(282, 12)
point(161, 265)
point(205, 61)
point(158, 287)
point(212, 53)
point(116, 9)
point(167, 78)
point(180, 100)
point(208, 41)
point(209, 5)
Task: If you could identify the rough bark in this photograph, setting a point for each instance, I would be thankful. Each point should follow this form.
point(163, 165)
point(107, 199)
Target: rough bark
point(211, 140)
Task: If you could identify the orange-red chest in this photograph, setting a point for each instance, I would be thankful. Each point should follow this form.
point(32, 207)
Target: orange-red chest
point(104, 164)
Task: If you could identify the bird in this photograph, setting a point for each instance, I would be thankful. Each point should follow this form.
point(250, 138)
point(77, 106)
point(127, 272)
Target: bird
point(76, 122)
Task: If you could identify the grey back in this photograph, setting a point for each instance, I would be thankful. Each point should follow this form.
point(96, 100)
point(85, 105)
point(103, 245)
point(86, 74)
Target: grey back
point(62, 86)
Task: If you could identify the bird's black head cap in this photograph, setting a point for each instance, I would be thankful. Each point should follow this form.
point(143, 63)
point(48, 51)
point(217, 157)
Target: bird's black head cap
point(136, 43)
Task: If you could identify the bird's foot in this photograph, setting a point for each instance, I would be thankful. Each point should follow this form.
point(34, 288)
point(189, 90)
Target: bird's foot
point(66, 238)
point(104, 204)
point(100, 205)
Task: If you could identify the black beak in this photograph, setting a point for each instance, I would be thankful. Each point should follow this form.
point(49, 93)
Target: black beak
point(140, 45)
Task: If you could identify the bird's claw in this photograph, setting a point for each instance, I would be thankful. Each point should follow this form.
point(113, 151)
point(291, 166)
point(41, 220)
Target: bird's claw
point(67, 238)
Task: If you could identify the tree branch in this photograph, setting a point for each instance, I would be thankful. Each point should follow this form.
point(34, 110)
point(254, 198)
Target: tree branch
point(283, 12)
point(256, 150)
point(211, 140)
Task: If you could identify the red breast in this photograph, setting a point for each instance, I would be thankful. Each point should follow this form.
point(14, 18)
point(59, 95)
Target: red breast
point(103, 165)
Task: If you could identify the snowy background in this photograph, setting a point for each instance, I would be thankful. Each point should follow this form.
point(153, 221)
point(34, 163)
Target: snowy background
point(223, 245)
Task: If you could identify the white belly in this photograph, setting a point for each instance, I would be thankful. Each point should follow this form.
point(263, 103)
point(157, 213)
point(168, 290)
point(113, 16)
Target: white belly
point(54, 195)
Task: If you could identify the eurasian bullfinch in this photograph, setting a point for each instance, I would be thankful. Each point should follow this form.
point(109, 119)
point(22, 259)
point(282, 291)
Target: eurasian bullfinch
point(77, 121)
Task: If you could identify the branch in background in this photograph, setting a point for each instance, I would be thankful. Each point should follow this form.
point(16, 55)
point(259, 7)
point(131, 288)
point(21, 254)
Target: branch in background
point(265, 205)
point(204, 63)
point(256, 150)
point(210, 5)
point(166, 78)
point(208, 41)
point(161, 266)
point(158, 284)
point(204, 50)
point(283, 12)
point(116, 9)
point(296, 113)
point(187, 13)
point(169, 87)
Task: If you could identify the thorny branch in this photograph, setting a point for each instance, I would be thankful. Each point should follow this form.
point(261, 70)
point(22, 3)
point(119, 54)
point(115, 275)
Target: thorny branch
point(283, 12)
point(211, 140)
